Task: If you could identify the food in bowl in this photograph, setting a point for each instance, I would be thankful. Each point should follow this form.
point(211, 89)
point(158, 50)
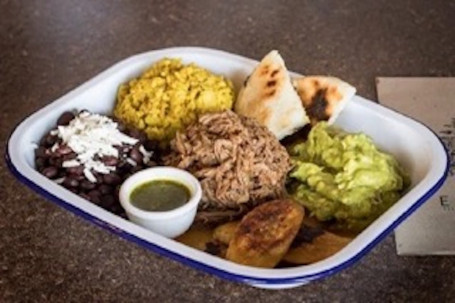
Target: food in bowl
point(239, 163)
point(89, 155)
point(285, 105)
point(265, 234)
point(313, 244)
point(344, 176)
point(160, 195)
point(169, 96)
point(167, 220)
point(269, 97)
point(323, 97)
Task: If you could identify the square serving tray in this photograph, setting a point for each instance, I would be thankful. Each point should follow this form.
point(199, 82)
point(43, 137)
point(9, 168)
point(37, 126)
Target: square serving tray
point(415, 146)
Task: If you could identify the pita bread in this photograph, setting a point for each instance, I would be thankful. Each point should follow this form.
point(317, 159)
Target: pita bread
point(269, 97)
point(323, 97)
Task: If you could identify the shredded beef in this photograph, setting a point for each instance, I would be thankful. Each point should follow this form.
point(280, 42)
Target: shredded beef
point(238, 162)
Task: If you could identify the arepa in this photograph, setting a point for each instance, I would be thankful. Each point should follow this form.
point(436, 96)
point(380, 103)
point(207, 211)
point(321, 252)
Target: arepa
point(323, 97)
point(269, 98)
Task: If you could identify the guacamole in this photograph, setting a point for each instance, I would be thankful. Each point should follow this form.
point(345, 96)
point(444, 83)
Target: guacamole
point(344, 177)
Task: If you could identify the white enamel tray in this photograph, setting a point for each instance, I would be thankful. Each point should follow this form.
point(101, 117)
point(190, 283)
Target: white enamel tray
point(416, 147)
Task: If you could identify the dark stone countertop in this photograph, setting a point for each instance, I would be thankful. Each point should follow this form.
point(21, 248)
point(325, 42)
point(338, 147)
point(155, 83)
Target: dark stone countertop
point(49, 47)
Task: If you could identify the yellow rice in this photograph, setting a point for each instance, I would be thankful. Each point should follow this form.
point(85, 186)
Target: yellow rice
point(169, 96)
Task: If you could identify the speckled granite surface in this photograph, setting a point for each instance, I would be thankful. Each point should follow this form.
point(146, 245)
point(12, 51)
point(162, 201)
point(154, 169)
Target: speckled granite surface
point(49, 47)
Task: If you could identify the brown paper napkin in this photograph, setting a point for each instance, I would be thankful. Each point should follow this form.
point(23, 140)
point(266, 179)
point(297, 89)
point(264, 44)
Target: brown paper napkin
point(431, 229)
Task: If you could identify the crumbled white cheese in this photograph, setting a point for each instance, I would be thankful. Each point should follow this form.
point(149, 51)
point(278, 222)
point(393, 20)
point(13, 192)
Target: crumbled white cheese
point(54, 132)
point(54, 147)
point(131, 161)
point(147, 155)
point(59, 180)
point(71, 163)
point(88, 174)
point(90, 135)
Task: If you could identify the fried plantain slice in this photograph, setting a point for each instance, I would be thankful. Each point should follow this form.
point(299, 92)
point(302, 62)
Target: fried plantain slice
point(196, 237)
point(225, 232)
point(322, 246)
point(265, 234)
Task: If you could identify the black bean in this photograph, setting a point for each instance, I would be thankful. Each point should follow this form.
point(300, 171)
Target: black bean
point(159, 153)
point(136, 155)
point(40, 163)
point(64, 150)
point(105, 189)
point(62, 173)
point(87, 185)
point(41, 152)
point(70, 181)
point(42, 141)
point(50, 140)
point(94, 193)
point(110, 160)
point(121, 172)
point(98, 177)
point(55, 161)
point(95, 200)
point(150, 145)
point(48, 152)
point(65, 118)
point(124, 171)
point(80, 177)
point(76, 170)
point(124, 165)
point(112, 179)
point(50, 172)
point(117, 209)
point(107, 201)
point(70, 156)
point(134, 133)
point(94, 196)
point(135, 169)
point(124, 149)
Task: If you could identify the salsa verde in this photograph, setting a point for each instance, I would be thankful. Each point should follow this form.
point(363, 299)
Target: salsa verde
point(160, 195)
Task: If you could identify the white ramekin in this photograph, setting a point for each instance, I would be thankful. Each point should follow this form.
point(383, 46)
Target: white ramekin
point(170, 223)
